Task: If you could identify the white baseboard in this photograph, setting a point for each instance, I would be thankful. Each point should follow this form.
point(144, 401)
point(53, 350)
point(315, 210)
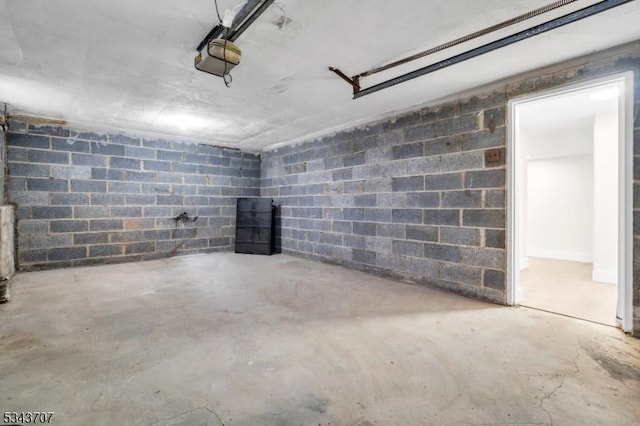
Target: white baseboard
point(605, 276)
point(560, 254)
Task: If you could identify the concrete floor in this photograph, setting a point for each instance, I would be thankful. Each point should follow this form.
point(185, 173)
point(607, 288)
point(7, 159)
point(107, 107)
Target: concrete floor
point(255, 340)
point(566, 288)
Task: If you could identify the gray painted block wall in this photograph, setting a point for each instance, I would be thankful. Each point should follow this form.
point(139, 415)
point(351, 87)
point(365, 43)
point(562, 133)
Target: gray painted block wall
point(413, 196)
point(89, 198)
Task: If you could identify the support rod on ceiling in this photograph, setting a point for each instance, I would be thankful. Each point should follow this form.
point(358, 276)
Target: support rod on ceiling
point(237, 32)
point(477, 34)
point(503, 42)
point(241, 17)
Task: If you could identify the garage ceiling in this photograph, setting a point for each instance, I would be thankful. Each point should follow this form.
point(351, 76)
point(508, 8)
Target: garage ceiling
point(129, 64)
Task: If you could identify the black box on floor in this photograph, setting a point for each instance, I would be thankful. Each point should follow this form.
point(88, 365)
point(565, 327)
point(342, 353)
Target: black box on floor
point(254, 226)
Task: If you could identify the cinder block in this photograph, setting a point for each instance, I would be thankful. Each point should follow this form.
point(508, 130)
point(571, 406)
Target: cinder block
point(483, 257)
point(447, 253)
point(169, 155)
point(462, 161)
point(106, 225)
point(31, 256)
point(27, 227)
point(364, 228)
point(484, 218)
point(422, 165)
point(115, 174)
point(379, 155)
point(412, 183)
point(409, 150)
point(494, 279)
point(460, 236)
point(49, 185)
point(423, 199)
point(88, 186)
point(29, 170)
point(70, 145)
point(66, 253)
point(342, 227)
point(141, 153)
point(160, 166)
point(184, 168)
point(354, 159)
point(390, 230)
point(17, 154)
point(365, 143)
point(106, 250)
point(494, 178)
point(156, 143)
point(377, 215)
point(105, 148)
point(66, 199)
point(466, 198)
point(494, 238)
point(89, 160)
point(140, 199)
point(126, 236)
point(124, 187)
point(142, 247)
point(342, 174)
point(420, 133)
point(90, 238)
point(107, 199)
point(29, 198)
point(37, 156)
point(133, 176)
point(126, 211)
point(38, 241)
point(125, 163)
point(82, 212)
point(496, 198)
point(69, 226)
point(461, 274)
point(443, 181)
point(124, 140)
point(422, 233)
point(51, 212)
point(364, 256)
point(88, 136)
point(28, 141)
point(441, 217)
point(406, 216)
point(364, 200)
point(98, 173)
point(408, 248)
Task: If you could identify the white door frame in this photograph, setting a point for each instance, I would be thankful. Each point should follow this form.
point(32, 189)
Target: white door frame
point(625, 187)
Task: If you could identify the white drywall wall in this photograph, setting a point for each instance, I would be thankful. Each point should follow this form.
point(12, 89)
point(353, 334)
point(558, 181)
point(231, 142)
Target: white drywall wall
point(560, 208)
point(605, 196)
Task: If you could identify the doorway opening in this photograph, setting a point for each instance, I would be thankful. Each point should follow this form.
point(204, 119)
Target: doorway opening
point(569, 219)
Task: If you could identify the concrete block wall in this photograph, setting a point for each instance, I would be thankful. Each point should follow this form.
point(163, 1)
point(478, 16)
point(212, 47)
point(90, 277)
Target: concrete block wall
point(414, 196)
point(91, 198)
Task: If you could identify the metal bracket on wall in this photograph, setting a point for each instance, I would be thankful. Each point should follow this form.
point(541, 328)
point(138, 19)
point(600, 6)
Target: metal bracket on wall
point(4, 119)
point(489, 47)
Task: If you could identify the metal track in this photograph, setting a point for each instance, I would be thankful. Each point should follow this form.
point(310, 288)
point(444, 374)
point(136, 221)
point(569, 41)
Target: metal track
point(489, 47)
point(469, 37)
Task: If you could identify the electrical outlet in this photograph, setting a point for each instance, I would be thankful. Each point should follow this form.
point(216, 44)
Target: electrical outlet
point(492, 156)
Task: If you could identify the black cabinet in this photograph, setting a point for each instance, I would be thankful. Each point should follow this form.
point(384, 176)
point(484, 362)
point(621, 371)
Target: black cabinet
point(254, 226)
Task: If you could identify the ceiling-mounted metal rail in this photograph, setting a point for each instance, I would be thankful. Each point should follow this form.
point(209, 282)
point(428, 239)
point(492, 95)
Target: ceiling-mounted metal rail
point(244, 18)
point(493, 28)
point(489, 47)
